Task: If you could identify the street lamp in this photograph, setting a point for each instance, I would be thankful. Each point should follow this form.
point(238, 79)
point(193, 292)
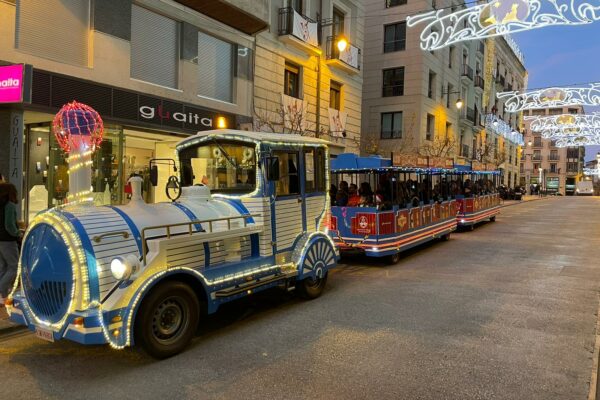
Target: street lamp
point(342, 43)
point(529, 143)
point(459, 103)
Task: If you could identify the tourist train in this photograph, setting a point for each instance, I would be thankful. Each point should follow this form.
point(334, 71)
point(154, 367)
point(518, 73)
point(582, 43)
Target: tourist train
point(248, 213)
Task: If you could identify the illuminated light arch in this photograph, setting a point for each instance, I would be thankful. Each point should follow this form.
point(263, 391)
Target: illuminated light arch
point(580, 140)
point(496, 125)
point(591, 171)
point(563, 122)
point(551, 97)
point(499, 17)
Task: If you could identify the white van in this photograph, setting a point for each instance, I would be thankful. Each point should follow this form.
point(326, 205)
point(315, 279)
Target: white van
point(585, 188)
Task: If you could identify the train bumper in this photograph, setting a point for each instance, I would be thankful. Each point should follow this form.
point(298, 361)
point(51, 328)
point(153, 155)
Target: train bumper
point(468, 219)
point(89, 327)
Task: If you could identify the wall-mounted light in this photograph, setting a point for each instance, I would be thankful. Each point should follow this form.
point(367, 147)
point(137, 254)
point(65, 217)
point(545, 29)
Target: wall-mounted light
point(221, 123)
point(342, 43)
point(459, 103)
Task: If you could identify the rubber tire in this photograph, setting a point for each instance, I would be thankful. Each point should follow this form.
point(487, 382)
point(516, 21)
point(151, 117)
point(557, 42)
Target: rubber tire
point(143, 322)
point(445, 237)
point(471, 228)
point(393, 259)
point(493, 219)
point(308, 291)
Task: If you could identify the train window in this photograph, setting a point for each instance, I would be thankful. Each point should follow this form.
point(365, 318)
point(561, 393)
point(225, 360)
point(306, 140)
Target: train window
point(223, 166)
point(289, 182)
point(314, 165)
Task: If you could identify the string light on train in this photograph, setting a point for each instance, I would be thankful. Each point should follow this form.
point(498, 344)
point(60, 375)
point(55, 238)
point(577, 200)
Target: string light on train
point(499, 17)
point(496, 125)
point(586, 95)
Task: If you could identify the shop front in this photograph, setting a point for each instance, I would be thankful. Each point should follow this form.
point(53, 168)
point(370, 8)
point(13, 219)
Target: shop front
point(138, 128)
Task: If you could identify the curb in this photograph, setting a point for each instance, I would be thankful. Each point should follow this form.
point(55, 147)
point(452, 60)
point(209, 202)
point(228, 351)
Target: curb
point(11, 329)
point(523, 202)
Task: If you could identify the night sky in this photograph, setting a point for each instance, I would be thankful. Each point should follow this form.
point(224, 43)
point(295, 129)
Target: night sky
point(563, 55)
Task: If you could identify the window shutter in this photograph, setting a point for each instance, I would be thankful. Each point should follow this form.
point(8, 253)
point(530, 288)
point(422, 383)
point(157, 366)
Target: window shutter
point(54, 29)
point(154, 47)
point(215, 68)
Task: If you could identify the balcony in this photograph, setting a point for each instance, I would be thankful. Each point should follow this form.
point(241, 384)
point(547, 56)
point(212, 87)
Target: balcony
point(479, 82)
point(553, 157)
point(536, 157)
point(348, 60)
point(466, 71)
point(537, 143)
point(249, 17)
point(298, 30)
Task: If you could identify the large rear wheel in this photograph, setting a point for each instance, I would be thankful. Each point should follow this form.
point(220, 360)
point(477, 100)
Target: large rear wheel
point(493, 219)
point(393, 258)
point(167, 319)
point(311, 288)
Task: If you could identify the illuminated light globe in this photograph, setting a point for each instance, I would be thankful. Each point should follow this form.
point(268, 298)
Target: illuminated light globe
point(78, 129)
point(78, 126)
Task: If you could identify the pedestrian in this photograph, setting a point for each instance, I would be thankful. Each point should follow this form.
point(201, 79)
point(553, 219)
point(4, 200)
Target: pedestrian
point(9, 236)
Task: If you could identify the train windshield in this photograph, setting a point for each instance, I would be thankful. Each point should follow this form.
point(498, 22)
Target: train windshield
point(223, 166)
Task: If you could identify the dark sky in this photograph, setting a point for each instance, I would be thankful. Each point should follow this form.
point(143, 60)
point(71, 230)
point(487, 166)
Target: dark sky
point(563, 55)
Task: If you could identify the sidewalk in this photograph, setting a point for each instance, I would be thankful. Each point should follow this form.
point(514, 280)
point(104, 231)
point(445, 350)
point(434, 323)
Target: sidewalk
point(526, 198)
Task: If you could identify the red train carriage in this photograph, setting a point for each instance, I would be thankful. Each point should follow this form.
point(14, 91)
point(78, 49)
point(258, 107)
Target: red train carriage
point(380, 209)
point(477, 197)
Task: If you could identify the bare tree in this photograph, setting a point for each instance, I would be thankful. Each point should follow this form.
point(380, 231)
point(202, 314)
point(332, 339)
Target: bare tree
point(371, 142)
point(291, 120)
point(440, 146)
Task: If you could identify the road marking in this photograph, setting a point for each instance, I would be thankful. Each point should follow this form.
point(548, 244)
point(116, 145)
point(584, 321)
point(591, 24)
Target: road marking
point(594, 379)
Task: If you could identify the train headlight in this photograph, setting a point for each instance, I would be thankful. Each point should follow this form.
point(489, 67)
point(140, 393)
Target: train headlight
point(123, 267)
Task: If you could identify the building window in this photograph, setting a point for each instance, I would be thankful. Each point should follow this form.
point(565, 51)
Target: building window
point(554, 154)
point(538, 112)
point(154, 47)
point(448, 129)
point(291, 84)
point(54, 29)
point(573, 111)
point(431, 85)
point(288, 173)
point(536, 167)
point(394, 37)
point(393, 82)
point(216, 68)
point(430, 132)
point(553, 168)
point(451, 51)
point(338, 22)
point(391, 125)
point(555, 111)
point(394, 3)
point(335, 91)
point(297, 5)
point(572, 167)
point(448, 91)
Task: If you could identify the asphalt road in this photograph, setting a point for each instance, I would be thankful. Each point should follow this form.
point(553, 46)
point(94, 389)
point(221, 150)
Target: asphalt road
point(505, 312)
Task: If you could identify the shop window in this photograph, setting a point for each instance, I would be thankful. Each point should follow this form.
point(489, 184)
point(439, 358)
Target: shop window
point(288, 183)
point(54, 29)
point(291, 84)
point(314, 164)
point(391, 125)
point(154, 47)
point(335, 91)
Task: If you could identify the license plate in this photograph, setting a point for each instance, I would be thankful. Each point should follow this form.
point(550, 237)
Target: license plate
point(44, 334)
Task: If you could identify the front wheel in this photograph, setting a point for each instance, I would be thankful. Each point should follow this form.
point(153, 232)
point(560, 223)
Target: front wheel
point(167, 319)
point(445, 237)
point(312, 287)
point(493, 219)
point(393, 258)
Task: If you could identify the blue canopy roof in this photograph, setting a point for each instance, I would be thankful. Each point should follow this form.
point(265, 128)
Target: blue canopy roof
point(347, 161)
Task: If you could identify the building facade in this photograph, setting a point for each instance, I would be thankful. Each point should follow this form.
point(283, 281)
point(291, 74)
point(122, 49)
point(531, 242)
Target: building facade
point(155, 70)
point(435, 102)
point(547, 167)
point(303, 82)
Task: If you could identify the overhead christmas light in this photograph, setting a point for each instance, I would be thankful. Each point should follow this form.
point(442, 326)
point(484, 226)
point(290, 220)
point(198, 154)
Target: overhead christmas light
point(588, 95)
point(494, 124)
point(591, 171)
point(563, 122)
point(499, 17)
point(575, 141)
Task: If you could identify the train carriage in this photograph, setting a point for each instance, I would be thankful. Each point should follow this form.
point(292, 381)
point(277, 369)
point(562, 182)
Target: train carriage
point(479, 201)
point(249, 217)
point(409, 206)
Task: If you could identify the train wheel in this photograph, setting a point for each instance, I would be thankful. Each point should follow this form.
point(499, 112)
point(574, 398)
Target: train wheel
point(445, 237)
point(393, 258)
point(493, 219)
point(167, 319)
point(471, 227)
point(311, 288)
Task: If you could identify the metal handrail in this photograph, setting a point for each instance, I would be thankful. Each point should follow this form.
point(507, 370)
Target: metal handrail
point(190, 226)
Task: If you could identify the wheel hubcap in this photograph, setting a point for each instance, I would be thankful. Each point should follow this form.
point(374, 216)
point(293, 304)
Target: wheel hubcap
point(169, 320)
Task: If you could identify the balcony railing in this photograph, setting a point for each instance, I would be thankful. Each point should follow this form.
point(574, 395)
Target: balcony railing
point(479, 82)
point(301, 27)
point(350, 57)
point(467, 71)
point(536, 157)
point(537, 143)
point(553, 157)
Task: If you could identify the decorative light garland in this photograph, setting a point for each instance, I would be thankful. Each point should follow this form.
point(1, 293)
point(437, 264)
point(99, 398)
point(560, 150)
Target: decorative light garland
point(551, 97)
point(576, 141)
point(498, 17)
point(591, 171)
point(564, 122)
point(496, 125)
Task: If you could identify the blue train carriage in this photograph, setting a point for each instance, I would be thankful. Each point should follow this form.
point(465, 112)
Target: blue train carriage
point(381, 209)
point(477, 195)
point(250, 216)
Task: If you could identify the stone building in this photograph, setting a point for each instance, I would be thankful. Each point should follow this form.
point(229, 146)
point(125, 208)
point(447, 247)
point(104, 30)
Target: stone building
point(303, 82)
point(547, 167)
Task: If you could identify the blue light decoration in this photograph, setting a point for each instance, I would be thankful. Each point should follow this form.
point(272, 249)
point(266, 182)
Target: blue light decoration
point(499, 17)
point(496, 125)
point(587, 95)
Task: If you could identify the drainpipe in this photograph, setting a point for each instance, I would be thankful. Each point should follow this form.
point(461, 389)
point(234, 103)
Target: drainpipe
point(318, 114)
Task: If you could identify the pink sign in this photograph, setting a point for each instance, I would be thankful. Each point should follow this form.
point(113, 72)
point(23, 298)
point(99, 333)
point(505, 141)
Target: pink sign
point(11, 84)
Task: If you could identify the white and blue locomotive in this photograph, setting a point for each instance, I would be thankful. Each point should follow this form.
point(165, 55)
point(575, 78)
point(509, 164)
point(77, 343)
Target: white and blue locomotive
point(251, 216)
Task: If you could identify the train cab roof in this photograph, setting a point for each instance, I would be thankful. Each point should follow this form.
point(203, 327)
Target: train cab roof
point(253, 137)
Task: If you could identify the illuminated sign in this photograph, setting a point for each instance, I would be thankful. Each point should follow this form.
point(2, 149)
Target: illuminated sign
point(148, 112)
point(499, 17)
point(11, 83)
point(588, 95)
